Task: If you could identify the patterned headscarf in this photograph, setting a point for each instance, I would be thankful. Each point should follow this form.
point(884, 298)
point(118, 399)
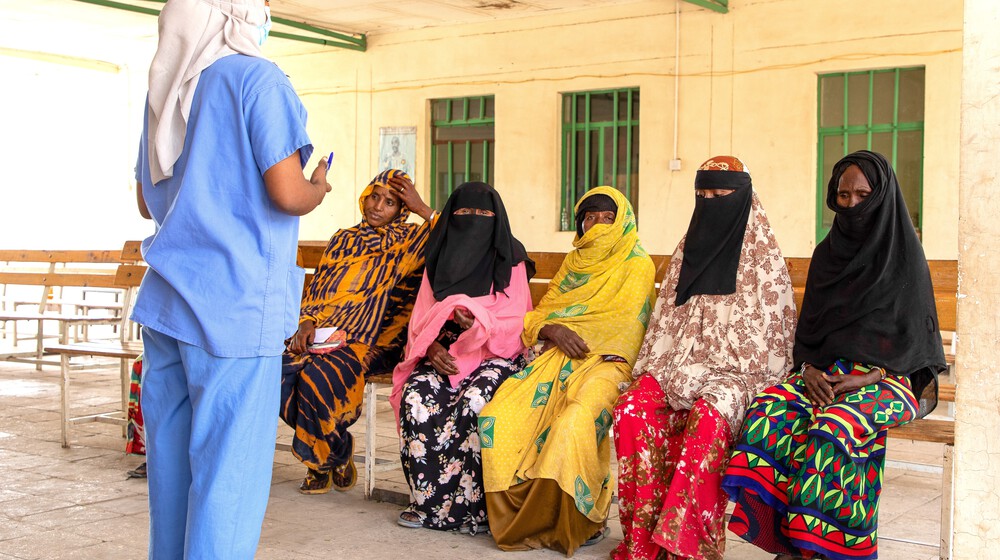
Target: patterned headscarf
point(360, 267)
point(193, 34)
point(724, 348)
point(389, 234)
point(607, 272)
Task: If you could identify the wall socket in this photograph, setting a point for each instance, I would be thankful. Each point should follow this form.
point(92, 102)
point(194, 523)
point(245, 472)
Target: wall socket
point(675, 165)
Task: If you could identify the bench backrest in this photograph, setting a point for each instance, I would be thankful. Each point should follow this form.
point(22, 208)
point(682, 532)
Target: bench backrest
point(944, 277)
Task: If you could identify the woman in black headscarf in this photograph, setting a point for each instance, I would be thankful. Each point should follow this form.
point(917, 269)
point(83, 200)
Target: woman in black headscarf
point(807, 472)
point(464, 340)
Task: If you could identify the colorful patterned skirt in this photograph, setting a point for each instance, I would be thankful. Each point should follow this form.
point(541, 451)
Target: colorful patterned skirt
point(806, 480)
point(135, 443)
point(321, 397)
point(439, 443)
point(670, 466)
point(547, 451)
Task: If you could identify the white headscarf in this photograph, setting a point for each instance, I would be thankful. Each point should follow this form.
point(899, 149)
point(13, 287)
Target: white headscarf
point(193, 35)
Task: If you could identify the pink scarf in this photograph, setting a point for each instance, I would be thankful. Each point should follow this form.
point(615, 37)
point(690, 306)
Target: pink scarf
point(496, 332)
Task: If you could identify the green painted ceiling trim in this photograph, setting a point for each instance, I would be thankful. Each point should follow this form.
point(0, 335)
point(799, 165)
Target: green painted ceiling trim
point(721, 6)
point(336, 39)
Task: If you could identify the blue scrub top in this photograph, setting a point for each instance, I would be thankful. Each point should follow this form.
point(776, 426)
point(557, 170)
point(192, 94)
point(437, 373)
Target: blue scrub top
point(222, 273)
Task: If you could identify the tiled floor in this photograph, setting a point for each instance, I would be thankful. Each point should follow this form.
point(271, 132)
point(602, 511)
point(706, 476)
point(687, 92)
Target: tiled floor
point(77, 503)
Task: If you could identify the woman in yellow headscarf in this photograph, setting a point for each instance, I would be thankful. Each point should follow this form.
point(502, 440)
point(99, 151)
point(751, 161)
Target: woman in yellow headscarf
point(544, 436)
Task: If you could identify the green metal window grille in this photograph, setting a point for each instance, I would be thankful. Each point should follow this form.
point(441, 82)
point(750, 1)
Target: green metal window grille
point(600, 146)
point(463, 147)
point(877, 110)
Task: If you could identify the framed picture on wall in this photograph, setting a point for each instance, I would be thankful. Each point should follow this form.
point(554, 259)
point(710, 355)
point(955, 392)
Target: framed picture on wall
point(397, 148)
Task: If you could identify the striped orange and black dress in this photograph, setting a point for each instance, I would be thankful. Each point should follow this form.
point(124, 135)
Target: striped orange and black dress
point(365, 285)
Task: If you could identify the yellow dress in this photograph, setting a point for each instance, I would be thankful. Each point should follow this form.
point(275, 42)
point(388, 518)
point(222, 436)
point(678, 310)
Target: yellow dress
point(545, 434)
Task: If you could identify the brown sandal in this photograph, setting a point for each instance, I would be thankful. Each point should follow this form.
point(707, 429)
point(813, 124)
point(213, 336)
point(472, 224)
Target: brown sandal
point(316, 482)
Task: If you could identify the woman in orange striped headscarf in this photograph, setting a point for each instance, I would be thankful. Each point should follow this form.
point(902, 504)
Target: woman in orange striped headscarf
point(364, 287)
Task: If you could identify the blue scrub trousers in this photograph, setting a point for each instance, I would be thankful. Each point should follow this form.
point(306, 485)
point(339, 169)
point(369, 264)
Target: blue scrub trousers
point(210, 430)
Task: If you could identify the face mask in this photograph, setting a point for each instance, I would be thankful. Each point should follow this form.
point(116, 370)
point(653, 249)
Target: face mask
point(265, 29)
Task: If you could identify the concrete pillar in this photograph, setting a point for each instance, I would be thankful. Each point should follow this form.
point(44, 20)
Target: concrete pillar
point(977, 431)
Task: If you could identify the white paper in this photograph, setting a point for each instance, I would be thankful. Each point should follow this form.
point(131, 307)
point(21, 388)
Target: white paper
point(322, 334)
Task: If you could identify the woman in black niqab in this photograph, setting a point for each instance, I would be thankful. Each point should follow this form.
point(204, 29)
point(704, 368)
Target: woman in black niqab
point(868, 296)
point(471, 249)
point(867, 353)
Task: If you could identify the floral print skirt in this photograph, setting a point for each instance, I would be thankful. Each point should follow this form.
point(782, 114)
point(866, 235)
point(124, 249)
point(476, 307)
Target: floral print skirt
point(670, 465)
point(806, 479)
point(439, 443)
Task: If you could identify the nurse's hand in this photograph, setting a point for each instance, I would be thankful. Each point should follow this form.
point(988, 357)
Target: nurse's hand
point(288, 189)
point(318, 178)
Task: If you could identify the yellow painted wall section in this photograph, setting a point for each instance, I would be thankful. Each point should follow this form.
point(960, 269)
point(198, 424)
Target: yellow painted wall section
point(748, 88)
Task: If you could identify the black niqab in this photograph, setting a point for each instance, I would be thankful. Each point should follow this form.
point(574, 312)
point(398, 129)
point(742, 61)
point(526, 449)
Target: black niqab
point(869, 296)
point(473, 254)
point(715, 236)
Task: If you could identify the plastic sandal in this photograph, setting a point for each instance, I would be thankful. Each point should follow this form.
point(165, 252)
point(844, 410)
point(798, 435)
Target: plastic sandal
point(138, 472)
point(409, 520)
point(316, 482)
point(345, 476)
point(598, 536)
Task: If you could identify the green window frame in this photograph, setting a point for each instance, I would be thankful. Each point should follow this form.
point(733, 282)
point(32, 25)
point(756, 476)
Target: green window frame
point(877, 110)
point(600, 146)
point(463, 147)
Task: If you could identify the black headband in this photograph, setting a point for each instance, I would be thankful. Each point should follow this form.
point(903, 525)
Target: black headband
point(714, 179)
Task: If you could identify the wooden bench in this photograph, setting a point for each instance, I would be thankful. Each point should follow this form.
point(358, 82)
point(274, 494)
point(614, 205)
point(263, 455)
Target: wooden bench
point(127, 277)
point(49, 270)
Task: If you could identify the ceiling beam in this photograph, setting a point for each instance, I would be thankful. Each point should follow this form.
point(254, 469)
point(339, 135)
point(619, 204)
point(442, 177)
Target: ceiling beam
point(356, 42)
point(721, 6)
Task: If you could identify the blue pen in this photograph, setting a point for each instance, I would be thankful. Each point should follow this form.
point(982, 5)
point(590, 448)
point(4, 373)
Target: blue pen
point(329, 161)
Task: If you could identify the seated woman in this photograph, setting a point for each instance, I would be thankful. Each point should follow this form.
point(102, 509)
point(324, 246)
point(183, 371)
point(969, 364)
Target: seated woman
point(807, 470)
point(364, 286)
point(135, 436)
point(545, 470)
point(464, 340)
point(720, 333)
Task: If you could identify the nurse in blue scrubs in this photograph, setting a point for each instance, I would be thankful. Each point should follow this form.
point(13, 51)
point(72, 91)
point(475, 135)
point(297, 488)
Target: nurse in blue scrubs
point(220, 172)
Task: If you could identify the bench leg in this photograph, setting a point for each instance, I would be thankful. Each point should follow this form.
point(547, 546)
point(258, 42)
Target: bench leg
point(64, 398)
point(39, 344)
point(947, 502)
point(369, 405)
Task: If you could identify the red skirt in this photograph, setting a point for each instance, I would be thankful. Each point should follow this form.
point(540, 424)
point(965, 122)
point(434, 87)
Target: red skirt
point(670, 465)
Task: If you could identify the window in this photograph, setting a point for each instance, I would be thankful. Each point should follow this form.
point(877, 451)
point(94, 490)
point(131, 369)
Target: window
point(877, 110)
point(462, 144)
point(600, 136)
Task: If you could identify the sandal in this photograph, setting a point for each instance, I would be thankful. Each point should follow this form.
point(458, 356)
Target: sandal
point(316, 482)
point(345, 476)
point(138, 472)
point(598, 536)
point(409, 519)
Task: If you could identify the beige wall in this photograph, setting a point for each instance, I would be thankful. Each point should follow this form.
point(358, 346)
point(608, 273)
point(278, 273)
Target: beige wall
point(748, 87)
point(977, 505)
